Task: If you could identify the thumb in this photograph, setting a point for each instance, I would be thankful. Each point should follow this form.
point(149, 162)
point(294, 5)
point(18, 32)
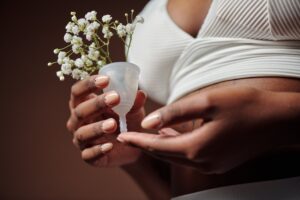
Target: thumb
point(181, 111)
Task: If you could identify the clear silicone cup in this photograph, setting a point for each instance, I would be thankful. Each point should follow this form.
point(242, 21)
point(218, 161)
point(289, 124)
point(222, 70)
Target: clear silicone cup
point(123, 78)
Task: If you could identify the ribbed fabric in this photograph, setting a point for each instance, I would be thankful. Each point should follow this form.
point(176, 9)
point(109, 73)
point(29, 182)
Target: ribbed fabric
point(255, 19)
point(239, 39)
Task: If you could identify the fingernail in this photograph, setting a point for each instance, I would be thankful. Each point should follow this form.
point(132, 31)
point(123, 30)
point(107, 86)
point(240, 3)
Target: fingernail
point(120, 139)
point(106, 147)
point(101, 81)
point(108, 124)
point(152, 121)
point(111, 98)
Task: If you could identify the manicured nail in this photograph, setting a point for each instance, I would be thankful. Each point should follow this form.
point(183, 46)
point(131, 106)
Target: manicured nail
point(120, 139)
point(106, 147)
point(101, 81)
point(111, 98)
point(108, 125)
point(152, 121)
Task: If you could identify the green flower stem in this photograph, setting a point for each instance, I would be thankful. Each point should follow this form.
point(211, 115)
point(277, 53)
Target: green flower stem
point(128, 47)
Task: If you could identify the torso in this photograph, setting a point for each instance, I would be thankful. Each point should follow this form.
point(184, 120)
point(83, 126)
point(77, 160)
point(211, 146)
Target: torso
point(187, 180)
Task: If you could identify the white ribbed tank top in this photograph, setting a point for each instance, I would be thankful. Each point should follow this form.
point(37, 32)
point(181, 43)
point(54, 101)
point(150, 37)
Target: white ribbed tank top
point(239, 39)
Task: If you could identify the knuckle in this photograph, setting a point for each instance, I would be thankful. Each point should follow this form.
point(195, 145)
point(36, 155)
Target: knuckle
point(79, 136)
point(97, 128)
point(90, 82)
point(75, 143)
point(78, 114)
point(69, 125)
point(99, 102)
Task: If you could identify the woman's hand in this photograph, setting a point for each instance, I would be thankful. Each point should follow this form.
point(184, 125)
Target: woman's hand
point(236, 125)
point(94, 124)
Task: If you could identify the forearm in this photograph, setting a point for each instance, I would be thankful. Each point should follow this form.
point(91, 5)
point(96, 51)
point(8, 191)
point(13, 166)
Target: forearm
point(146, 174)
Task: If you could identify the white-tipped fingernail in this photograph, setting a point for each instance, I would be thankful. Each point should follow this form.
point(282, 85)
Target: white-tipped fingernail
point(106, 147)
point(111, 98)
point(108, 125)
point(152, 121)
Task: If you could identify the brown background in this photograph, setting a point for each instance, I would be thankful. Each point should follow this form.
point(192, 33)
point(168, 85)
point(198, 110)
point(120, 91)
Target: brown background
point(38, 160)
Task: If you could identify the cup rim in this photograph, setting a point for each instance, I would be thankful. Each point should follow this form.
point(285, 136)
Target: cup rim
point(135, 67)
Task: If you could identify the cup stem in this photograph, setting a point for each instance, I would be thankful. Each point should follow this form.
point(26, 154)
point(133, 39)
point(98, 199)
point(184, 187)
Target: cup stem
point(123, 124)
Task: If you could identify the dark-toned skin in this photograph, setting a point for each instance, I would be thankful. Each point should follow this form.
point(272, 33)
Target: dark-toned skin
point(227, 133)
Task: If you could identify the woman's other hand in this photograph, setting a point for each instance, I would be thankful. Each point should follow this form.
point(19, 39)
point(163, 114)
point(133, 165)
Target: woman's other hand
point(236, 125)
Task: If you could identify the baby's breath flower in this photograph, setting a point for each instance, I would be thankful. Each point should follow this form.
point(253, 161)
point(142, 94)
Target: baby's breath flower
point(89, 36)
point(121, 30)
point(59, 61)
point(66, 68)
point(79, 63)
point(106, 19)
point(60, 75)
point(84, 58)
point(68, 37)
point(74, 18)
point(93, 27)
point(93, 55)
point(82, 23)
point(106, 32)
point(75, 30)
point(100, 63)
point(69, 27)
point(88, 62)
point(130, 28)
point(77, 40)
point(67, 60)
point(93, 45)
point(76, 73)
point(83, 75)
point(56, 51)
point(76, 48)
point(92, 16)
point(62, 55)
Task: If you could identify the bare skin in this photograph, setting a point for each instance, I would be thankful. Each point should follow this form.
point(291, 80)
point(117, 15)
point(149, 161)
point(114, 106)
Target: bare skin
point(89, 110)
point(244, 161)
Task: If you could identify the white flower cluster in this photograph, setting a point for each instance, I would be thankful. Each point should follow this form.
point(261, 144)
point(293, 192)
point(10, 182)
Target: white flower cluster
point(89, 49)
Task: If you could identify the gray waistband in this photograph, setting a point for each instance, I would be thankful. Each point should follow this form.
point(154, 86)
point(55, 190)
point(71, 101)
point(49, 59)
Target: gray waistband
point(283, 189)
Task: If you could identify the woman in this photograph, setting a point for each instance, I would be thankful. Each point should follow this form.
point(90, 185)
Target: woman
point(225, 73)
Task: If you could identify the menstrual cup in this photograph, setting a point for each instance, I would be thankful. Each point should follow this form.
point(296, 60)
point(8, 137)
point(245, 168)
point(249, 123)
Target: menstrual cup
point(123, 78)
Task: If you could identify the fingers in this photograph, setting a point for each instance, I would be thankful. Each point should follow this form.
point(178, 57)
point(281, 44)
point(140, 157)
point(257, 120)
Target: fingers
point(168, 132)
point(82, 88)
point(95, 151)
point(192, 145)
point(91, 131)
point(156, 142)
point(91, 106)
point(181, 111)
